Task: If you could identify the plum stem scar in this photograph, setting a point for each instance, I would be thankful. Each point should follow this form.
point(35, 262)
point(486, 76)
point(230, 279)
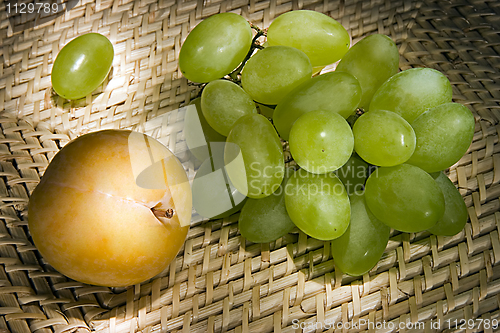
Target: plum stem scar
point(169, 213)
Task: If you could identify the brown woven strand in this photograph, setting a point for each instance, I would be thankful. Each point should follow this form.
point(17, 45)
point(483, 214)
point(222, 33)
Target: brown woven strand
point(220, 282)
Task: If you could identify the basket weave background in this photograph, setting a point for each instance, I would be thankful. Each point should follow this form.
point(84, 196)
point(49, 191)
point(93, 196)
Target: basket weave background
point(220, 282)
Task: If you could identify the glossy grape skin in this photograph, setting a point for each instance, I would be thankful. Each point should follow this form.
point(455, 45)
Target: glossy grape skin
point(214, 196)
point(318, 94)
point(223, 102)
point(404, 197)
point(444, 133)
point(317, 204)
point(359, 249)
point(258, 171)
point(265, 220)
point(215, 47)
point(321, 141)
point(411, 92)
point(197, 132)
point(320, 37)
point(273, 72)
point(383, 138)
point(353, 174)
point(455, 211)
point(82, 65)
point(372, 60)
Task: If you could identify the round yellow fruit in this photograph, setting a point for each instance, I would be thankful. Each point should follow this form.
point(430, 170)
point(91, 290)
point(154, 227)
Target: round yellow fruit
point(113, 208)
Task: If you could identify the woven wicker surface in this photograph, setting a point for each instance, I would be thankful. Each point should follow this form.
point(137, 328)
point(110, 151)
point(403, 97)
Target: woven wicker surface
point(220, 282)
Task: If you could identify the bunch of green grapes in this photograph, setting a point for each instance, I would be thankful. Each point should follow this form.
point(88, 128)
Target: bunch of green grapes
point(369, 142)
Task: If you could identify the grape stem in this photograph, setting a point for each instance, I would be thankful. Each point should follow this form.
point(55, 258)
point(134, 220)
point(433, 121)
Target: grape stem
point(255, 45)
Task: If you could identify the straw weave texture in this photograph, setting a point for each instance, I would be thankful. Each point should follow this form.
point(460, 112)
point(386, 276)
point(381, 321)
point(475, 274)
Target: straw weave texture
point(219, 282)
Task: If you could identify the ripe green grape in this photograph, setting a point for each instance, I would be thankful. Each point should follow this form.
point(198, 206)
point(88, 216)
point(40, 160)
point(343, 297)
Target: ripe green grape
point(320, 37)
point(455, 211)
point(404, 197)
point(353, 174)
point(444, 133)
point(317, 204)
point(383, 138)
point(321, 141)
point(214, 196)
point(411, 92)
point(197, 132)
point(223, 102)
point(254, 156)
point(359, 249)
point(215, 47)
point(372, 60)
point(335, 91)
point(265, 220)
point(273, 72)
point(82, 65)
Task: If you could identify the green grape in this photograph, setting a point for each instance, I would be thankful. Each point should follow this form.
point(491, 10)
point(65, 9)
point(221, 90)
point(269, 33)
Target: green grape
point(215, 47)
point(197, 132)
point(455, 212)
point(266, 111)
point(265, 220)
point(223, 102)
point(404, 197)
point(372, 60)
point(353, 174)
point(411, 92)
point(444, 133)
point(254, 156)
point(383, 138)
point(82, 65)
point(273, 72)
point(320, 37)
point(214, 196)
point(335, 91)
point(321, 141)
point(359, 249)
point(317, 204)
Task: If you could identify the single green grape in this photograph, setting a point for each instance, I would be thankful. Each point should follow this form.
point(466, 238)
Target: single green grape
point(411, 92)
point(317, 204)
point(254, 156)
point(82, 65)
point(321, 141)
point(337, 92)
point(372, 60)
point(455, 211)
point(214, 196)
point(273, 72)
point(359, 249)
point(223, 102)
point(404, 197)
point(197, 132)
point(383, 138)
point(353, 174)
point(320, 37)
point(266, 111)
point(215, 47)
point(265, 220)
point(444, 133)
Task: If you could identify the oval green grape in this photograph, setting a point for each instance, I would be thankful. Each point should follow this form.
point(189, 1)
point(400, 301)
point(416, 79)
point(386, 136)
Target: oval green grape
point(215, 47)
point(317, 94)
point(353, 174)
point(254, 156)
point(411, 92)
point(444, 133)
point(383, 138)
point(223, 102)
point(372, 60)
point(321, 141)
point(82, 65)
point(273, 72)
point(404, 197)
point(359, 249)
point(323, 39)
